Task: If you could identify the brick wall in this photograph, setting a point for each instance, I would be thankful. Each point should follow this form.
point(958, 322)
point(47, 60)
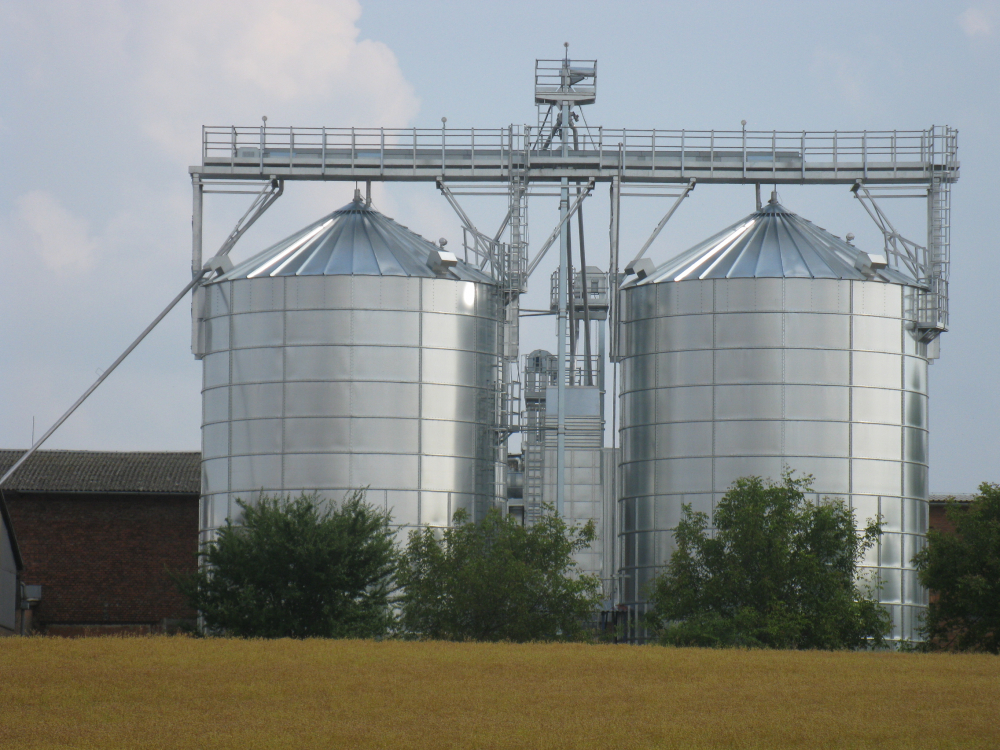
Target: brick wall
point(938, 520)
point(102, 560)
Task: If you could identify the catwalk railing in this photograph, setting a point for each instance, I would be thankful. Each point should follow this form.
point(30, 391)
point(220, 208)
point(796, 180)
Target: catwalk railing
point(876, 157)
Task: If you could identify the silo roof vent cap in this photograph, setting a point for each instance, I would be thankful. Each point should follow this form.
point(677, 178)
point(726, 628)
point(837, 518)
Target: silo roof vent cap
point(441, 260)
point(868, 263)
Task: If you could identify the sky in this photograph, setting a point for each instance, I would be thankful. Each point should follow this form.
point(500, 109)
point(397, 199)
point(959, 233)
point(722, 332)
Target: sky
point(102, 103)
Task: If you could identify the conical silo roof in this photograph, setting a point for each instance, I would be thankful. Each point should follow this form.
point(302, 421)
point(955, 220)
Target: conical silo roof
point(772, 242)
point(353, 240)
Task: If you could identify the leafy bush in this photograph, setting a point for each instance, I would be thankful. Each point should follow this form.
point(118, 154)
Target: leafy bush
point(778, 572)
point(497, 581)
point(963, 569)
point(296, 568)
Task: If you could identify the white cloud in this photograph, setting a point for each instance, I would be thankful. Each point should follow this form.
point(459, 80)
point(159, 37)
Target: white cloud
point(288, 59)
point(61, 239)
point(976, 23)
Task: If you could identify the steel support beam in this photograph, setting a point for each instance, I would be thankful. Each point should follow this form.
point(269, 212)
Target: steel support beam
point(659, 227)
point(268, 195)
point(38, 443)
point(558, 231)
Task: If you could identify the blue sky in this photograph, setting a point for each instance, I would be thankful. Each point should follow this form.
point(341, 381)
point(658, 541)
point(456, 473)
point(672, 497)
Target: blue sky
point(101, 105)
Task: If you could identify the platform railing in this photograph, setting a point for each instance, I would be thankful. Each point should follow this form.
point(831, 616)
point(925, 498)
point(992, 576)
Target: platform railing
point(493, 150)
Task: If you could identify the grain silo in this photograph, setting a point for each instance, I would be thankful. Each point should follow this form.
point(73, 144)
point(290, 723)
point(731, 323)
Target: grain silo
point(352, 354)
point(773, 344)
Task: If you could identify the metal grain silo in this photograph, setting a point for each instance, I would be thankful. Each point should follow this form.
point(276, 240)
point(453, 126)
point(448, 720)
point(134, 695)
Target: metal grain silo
point(352, 354)
point(774, 344)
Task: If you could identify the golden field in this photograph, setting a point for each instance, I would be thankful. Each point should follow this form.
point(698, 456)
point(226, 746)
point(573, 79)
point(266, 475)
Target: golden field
point(164, 692)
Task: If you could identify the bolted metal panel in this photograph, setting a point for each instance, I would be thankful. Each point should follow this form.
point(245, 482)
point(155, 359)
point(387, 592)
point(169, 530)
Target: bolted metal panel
point(353, 365)
point(729, 377)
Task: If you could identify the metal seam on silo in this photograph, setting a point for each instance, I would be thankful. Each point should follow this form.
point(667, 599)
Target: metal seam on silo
point(420, 396)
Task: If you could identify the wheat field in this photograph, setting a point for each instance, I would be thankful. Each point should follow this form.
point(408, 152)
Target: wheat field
point(177, 692)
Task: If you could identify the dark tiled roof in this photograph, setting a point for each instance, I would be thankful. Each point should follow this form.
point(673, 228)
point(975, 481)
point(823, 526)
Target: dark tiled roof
point(104, 471)
point(957, 498)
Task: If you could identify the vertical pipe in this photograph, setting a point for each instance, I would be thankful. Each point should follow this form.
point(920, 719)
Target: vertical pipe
point(563, 288)
point(613, 315)
point(601, 355)
point(572, 318)
point(198, 195)
point(585, 296)
point(616, 191)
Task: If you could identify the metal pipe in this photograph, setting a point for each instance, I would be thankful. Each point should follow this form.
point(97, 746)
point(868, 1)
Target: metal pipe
point(28, 453)
point(584, 293)
point(561, 366)
point(613, 299)
point(571, 304)
point(198, 202)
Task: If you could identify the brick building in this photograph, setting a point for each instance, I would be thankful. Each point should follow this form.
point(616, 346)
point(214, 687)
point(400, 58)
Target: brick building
point(939, 503)
point(99, 531)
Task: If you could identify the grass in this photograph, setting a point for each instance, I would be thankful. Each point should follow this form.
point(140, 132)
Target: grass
point(162, 692)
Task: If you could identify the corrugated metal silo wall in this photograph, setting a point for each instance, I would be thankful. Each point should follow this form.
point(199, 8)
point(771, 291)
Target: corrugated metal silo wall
point(329, 383)
point(734, 377)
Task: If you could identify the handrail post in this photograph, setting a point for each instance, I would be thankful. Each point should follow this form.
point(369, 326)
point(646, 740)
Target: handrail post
point(711, 153)
point(802, 157)
point(864, 153)
point(323, 152)
point(682, 151)
point(653, 158)
point(744, 152)
point(444, 122)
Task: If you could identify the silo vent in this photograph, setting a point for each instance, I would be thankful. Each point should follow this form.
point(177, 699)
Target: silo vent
point(220, 264)
point(441, 260)
point(641, 268)
point(869, 264)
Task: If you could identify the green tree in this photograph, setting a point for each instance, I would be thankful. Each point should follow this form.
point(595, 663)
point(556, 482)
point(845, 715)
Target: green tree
point(296, 568)
point(497, 580)
point(779, 571)
point(963, 569)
